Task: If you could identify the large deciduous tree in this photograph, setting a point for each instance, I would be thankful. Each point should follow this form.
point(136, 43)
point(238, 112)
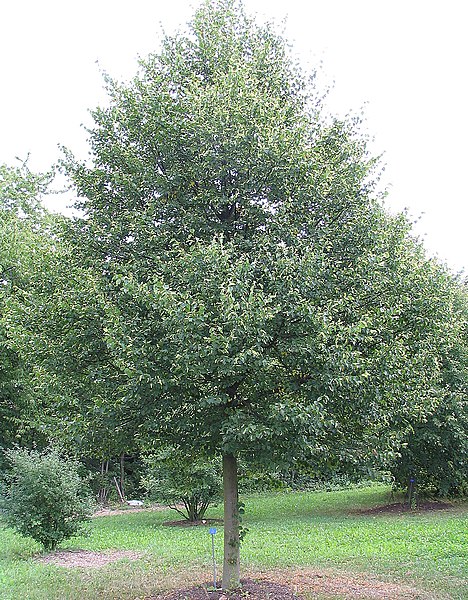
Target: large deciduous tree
point(21, 243)
point(56, 380)
point(258, 299)
point(56, 324)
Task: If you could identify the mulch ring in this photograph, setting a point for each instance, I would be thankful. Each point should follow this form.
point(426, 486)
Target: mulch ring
point(399, 508)
point(187, 523)
point(86, 559)
point(251, 590)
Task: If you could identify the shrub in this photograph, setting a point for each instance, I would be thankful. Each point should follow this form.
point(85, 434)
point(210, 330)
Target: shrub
point(43, 496)
point(187, 485)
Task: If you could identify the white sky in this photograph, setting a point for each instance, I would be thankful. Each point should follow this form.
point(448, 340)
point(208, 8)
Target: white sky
point(407, 59)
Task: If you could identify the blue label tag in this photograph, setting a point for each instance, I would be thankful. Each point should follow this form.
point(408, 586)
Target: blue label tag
point(212, 530)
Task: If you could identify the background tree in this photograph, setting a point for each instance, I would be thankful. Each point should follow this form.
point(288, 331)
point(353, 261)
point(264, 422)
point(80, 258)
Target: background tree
point(56, 380)
point(57, 326)
point(434, 449)
point(188, 485)
point(22, 237)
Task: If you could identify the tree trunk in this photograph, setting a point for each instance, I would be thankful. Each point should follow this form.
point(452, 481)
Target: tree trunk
point(122, 476)
point(231, 573)
point(103, 492)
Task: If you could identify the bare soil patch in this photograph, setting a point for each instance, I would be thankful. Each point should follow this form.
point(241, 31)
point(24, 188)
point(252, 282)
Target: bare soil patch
point(302, 584)
point(108, 512)
point(399, 508)
point(87, 559)
point(346, 585)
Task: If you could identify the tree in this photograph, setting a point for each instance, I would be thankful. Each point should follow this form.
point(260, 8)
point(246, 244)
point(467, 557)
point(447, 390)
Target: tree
point(187, 484)
point(56, 324)
point(434, 449)
point(56, 382)
point(21, 238)
point(258, 299)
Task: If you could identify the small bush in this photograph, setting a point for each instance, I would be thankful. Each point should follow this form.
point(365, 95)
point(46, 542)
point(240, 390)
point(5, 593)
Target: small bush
point(187, 485)
point(43, 496)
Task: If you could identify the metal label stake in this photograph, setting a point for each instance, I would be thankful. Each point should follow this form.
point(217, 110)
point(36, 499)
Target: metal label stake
point(212, 533)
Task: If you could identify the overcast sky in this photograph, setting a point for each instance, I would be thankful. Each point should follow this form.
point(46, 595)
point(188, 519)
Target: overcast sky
point(405, 60)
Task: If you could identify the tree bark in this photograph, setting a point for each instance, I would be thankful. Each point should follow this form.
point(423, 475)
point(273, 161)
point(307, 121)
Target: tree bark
point(122, 475)
point(231, 572)
point(103, 492)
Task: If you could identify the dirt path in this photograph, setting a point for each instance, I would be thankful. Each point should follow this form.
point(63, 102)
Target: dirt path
point(87, 559)
point(108, 512)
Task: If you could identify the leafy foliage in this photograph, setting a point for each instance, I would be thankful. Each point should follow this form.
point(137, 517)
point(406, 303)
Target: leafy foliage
point(21, 190)
point(434, 451)
point(257, 298)
point(178, 480)
point(22, 222)
point(55, 321)
point(43, 496)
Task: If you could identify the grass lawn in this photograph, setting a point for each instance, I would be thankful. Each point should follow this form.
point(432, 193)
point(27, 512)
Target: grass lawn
point(297, 533)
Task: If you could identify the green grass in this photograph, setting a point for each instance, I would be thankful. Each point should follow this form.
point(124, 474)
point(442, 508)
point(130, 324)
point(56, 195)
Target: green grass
point(287, 530)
